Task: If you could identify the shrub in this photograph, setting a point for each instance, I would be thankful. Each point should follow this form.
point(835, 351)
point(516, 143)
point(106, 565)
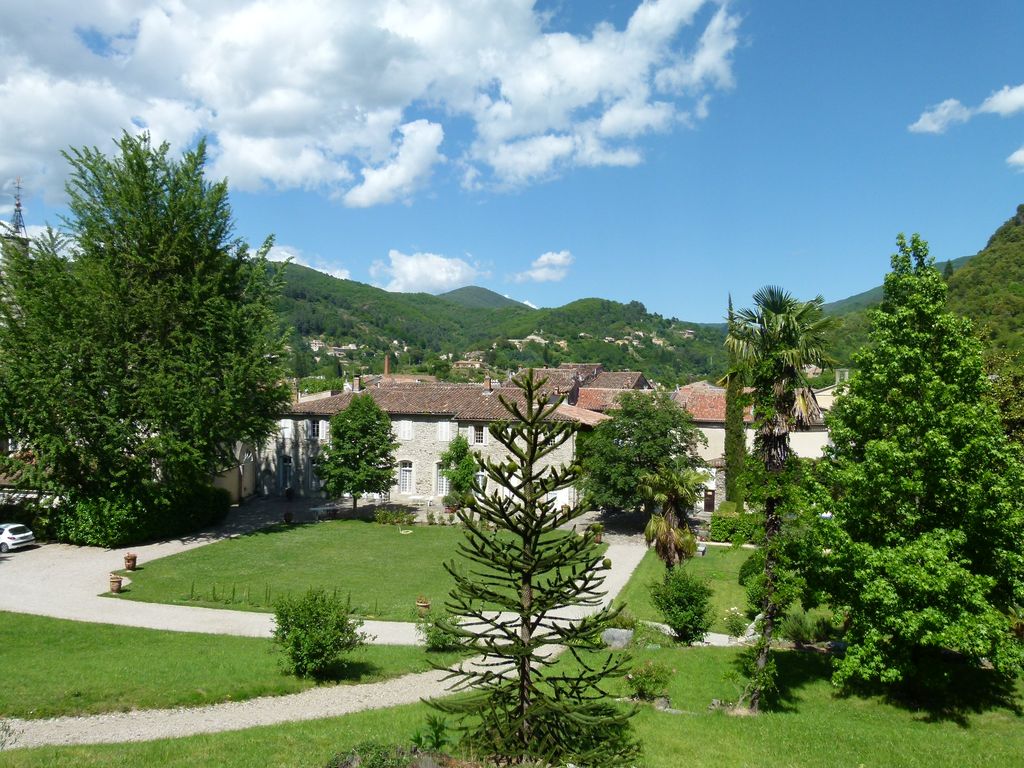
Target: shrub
point(371, 755)
point(624, 619)
point(752, 567)
point(649, 680)
point(735, 622)
point(315, 631)
point(435, 628)
point(684, 602)
point(797, 628)
point(394, 516)
point(729, 525)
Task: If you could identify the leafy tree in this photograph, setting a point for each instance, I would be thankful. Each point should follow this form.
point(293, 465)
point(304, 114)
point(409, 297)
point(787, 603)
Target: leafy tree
point(773, 342)
point(522, 706)
point(674, 489)
point(1006, 372)
point(137, 348)
point(458, 464)
point(927, 509)
point(645, 433)
point(735, 429)
point(360, 457)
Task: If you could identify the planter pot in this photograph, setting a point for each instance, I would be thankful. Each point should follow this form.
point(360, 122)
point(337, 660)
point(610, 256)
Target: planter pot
point(115, 583)
point(422, 606)
point(598, 538)
point(130, 561)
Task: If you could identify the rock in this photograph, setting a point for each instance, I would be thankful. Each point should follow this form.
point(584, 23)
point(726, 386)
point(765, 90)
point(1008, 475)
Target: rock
point(617, 639)
point(652, 647)
point(662, 703)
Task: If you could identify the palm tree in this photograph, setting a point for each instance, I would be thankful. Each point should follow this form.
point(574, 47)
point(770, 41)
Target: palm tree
point(773, 342)
point(674, 488)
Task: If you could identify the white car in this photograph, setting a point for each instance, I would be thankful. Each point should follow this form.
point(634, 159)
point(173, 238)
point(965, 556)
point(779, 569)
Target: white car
point(15, 535)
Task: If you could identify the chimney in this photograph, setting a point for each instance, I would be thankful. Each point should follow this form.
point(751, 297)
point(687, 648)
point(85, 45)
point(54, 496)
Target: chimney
point(387, 363)
point(487, 384)
point(357, 383)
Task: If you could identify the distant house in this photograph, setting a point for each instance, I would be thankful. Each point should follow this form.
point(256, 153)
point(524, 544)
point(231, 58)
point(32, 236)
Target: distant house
point(425, 418)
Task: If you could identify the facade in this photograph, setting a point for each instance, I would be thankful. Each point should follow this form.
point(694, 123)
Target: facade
point(425, 418)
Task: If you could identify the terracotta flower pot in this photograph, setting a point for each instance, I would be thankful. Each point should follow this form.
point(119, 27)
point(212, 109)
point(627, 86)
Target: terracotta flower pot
point(422, 606)
point(130, 561)
point(115, 583)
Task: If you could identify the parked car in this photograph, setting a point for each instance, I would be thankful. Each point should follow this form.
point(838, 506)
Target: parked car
point(15, 535)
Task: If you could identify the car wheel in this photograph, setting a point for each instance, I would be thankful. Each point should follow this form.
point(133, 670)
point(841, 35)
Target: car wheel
point(3, 548)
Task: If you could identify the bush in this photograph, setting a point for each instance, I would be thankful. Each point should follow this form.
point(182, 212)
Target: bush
point(394, 516)
point(797, 628)
point(315, 631)
point(624, 619)
point(735, 622)
point(752, 567)
point(649, 680)
point(435, 628)
point(684, 602)
point(371, 755)
point(740, 527)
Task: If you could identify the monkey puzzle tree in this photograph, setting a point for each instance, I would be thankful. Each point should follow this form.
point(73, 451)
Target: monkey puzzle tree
point(522, 575)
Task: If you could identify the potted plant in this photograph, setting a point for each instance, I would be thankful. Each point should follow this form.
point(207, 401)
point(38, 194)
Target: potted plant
point(598, 530)
point(130, 561)
point(115, 583)
point(422, 605)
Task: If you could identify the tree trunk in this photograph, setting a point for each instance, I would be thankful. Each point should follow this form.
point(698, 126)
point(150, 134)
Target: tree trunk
point(769, 607)
point(355, 500)
point(525, 636)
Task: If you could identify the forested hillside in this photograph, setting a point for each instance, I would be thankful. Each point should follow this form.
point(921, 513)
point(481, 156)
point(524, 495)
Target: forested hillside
point(432, 331)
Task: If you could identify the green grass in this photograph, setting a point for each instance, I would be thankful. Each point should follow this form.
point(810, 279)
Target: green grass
point(70, 668)
point(720, 566)
point(381, 569)
point(811, 728)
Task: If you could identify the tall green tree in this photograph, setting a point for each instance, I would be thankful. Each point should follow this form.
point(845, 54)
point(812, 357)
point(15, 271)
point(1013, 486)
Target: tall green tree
point(773, 341)
point(735, 427)
point(522, 705)
point(925, 494)
point(360, 456)
point(137, 347)
point(646, 433)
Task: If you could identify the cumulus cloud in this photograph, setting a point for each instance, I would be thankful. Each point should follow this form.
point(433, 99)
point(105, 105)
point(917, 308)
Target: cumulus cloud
point(423, 272)
point(1004, 102)
point(290, 252)
point(549, 267)
point(410, 166)
point(357, 100)
point(936, 119)
point(1016, 160)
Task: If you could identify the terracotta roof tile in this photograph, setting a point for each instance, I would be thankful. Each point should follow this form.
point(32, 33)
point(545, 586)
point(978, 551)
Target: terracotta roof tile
point(620, 380)
point(599, 398)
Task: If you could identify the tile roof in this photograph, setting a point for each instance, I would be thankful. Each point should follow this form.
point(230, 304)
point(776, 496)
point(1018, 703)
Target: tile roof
point(619, 380)
point(704, 401)
point(600, 398)
point(468, 402)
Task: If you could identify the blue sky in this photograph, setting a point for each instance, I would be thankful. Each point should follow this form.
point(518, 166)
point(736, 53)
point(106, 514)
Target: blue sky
point(669, 151)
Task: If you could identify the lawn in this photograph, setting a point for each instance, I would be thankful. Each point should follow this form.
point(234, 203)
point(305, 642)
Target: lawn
point(720, 566)
point(381, 569)
point(812, 728)
point(57, 667)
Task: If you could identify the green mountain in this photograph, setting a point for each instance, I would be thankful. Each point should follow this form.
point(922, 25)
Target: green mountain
point(419, 329)
point(987, 287)
point(479, 298)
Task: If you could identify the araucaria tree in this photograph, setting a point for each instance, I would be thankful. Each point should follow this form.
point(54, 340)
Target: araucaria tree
point(928, 523)
point(360, 457)
point(773, 341)
point(138, 347)
point(523, 574)
point(646, 433)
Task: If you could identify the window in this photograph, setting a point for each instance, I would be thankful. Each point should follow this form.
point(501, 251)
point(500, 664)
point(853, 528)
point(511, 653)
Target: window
point(404, 429)
point(477, 434)
point(405, 477)
point(442, 483)
point(314, 429)
point(444, 431)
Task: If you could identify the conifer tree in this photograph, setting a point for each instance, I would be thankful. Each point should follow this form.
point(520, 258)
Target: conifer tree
point(520, 707)
point(735, 429)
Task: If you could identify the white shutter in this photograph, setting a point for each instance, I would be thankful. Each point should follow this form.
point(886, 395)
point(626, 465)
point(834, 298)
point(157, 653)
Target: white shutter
point(325, 430)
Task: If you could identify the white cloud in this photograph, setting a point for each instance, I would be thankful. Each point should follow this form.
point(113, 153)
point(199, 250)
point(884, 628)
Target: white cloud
point(399, 177)
point(426, 272)
point(936, 119)
point(1017, 159)
point(1004, 102)
point(547, 268)
point(286, 252)
point(314, 94)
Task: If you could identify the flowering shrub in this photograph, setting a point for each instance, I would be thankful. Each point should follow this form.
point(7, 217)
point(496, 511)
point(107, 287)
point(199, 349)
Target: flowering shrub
point(649, 680)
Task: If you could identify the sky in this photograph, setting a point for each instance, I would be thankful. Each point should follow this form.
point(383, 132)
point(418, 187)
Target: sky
point(665, 151)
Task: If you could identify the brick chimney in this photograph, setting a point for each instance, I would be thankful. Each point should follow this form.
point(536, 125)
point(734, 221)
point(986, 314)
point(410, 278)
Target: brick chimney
point(487, 384)
point(357, 383)
point(387, 363)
